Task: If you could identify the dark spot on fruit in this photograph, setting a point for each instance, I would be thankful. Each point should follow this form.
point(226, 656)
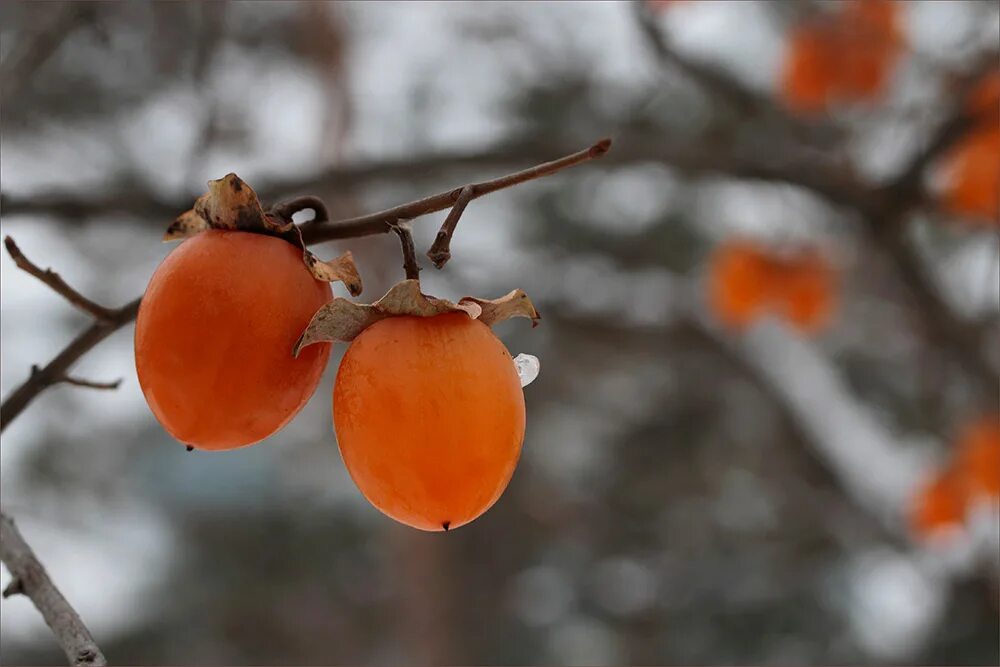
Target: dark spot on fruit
point(445, 525)
point(190, 448)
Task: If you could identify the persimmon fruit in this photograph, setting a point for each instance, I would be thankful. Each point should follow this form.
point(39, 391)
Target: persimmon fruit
point(739, 285)
point(940, 504)
point(214, 338)
point(747, 281)
point(848, 56)
point(429, 417)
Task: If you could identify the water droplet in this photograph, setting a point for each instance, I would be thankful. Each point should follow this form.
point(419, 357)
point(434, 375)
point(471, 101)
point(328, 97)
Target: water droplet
point(527, 367)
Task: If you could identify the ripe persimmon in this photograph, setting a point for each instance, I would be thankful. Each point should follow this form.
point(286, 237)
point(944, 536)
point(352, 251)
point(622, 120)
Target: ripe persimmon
point(810, 69)
point(214, 337)
point(939, 505)
point(429, 417)
point(846, 57)
point(807, 292)
point(747, 280)
point(973, 166)
point(978, 458)
point(739, 284)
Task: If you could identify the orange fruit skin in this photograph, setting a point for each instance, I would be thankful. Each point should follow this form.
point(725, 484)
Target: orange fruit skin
point(807, 293)
point(978, 457)
point(214, 337)
point(810, 70)
point(846, 57)
point(940, 504)
point(429, 417)
point(974, 187)
point(739, 283)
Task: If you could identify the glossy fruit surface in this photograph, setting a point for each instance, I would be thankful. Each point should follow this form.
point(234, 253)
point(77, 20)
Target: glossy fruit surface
point(214, 337)
point(429, 417)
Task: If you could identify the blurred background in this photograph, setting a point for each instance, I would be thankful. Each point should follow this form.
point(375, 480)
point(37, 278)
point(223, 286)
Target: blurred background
point(765, 426)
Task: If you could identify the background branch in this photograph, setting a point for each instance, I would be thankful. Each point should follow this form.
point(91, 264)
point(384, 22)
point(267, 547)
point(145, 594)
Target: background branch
point(31, 579)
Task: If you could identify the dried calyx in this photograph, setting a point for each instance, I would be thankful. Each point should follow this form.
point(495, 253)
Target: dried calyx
point(232, 204)
point(344, 320)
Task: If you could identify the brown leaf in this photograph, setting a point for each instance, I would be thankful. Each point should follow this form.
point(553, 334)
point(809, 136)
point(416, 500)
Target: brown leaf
point(343, 320)
point(187, 224)
point(232, 204)
point(515, 304)
point(342, 268)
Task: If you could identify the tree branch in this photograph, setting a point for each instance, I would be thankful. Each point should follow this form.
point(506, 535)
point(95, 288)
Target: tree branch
point(31, 579)
point(55, 371)
point(382, 221)
point(440, 252)
point(410, 265)
point(58, 285)
point(33, 50)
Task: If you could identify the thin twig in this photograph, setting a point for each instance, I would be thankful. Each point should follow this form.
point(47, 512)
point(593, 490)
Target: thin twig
point(440, 252)
point(58, 285)
point(382, 221)
point(31, 579)
point(410, 265)
point(90, 384)
point(55, 371)
point(32, 50)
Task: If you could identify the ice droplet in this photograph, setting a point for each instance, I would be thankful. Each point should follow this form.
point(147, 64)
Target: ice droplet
point(527, 368)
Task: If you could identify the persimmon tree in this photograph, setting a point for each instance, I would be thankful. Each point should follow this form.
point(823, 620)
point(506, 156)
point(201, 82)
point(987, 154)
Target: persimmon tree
point(840, 58)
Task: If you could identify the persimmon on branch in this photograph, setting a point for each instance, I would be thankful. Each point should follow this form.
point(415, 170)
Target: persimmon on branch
point(29, 577)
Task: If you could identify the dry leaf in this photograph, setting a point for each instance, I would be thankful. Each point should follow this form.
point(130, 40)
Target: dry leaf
point(343, 320)
point(515, 304)
point(232, 204)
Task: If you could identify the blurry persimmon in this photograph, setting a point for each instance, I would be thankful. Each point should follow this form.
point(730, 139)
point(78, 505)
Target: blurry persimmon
point(871, 43)
point(214, 338)
point(739, 283)
point(984, 101)
point(810, 69)
point(747, 280)
point(807, 292)
point(429, 416)
point(973, 181)
point(844, 57)
point(978, 457)
point(939, 505)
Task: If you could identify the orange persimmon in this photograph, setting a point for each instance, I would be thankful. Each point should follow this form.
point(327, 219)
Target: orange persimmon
point(429, 417)
point(739, 283)
point(973, 166)
point(846, 57)
point(806, 292)
point(940, 504)
point(978, 458)
point(810, 69)
point(747, 280)
point(870, 45)
point(973, 188)
point(214, 337)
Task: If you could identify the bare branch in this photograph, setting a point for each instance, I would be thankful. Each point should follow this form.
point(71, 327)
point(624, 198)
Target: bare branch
point(381, 222)
point(31, 579)
point(440, 252)
point(90, 384)
point(34, 49)
point(55, 371)
point(58, 285)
